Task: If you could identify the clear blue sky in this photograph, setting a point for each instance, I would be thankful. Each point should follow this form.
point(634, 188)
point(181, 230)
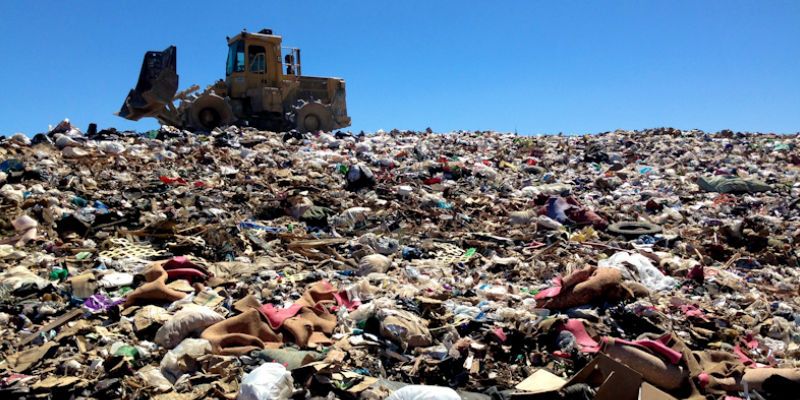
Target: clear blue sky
point(533, 66)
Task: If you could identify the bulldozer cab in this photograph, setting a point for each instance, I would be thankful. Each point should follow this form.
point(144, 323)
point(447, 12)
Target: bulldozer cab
point(254, 61)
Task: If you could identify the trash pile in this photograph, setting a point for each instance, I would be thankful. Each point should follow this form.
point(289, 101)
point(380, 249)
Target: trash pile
point(238, 264)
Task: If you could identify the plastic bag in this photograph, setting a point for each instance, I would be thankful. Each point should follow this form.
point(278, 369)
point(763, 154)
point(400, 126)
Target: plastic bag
point(267, 382)
point(189, 319)
point(373, 263)
point(153, 378)
point(173, 365)
point(424, 392)
point(649, 275)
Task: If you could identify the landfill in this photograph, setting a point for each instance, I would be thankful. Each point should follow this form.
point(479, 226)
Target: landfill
point(244, 264)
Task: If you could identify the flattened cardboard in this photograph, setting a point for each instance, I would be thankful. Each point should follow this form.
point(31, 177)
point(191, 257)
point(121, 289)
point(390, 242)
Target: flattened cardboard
point(615, 381)
point(541, 381)
point(650, 392)
point(620, 385)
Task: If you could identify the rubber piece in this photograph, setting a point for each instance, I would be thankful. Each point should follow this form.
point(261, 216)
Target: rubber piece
point(634, 228)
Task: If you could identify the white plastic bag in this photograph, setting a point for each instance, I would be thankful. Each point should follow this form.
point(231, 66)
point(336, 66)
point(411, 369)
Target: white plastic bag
point(190, 318)
point(373, 263)
point(424, 392)
point(173, 365)
point(153, 378)
point(649, 275)
point(270, 381)
point(351, 216)
point(545, 222)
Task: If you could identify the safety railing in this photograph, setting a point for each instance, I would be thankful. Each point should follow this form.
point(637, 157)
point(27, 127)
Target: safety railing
point(291, 61)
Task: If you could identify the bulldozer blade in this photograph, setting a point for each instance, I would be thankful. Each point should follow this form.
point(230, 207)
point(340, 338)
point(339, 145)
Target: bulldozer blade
point(158, 82)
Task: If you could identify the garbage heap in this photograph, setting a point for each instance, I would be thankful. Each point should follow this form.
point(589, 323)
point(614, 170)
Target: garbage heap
point(653, 264)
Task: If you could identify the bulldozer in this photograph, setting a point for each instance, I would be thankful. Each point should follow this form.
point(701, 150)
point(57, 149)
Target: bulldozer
point(263, 88)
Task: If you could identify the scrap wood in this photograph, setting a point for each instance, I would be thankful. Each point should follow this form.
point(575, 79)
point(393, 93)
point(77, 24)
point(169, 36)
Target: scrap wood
point(51, 325)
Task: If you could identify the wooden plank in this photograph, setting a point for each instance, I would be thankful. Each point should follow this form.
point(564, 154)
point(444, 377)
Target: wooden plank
point(54, 324)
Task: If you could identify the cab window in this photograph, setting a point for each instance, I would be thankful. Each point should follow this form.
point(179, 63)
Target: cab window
point(235, 58)
point(256, 58)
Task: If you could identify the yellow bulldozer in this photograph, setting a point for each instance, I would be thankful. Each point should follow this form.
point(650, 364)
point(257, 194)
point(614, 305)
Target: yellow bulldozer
point(263, 88)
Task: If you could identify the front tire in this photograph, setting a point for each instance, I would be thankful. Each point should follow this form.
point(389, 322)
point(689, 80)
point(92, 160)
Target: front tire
point(209, 118)
point(210, 111)
point(313, 117)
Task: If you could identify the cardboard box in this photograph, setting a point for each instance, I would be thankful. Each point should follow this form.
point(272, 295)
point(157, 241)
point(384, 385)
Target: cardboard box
point(615, 381)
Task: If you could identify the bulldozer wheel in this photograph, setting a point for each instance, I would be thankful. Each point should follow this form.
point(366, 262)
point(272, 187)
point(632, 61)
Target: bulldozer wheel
point(210, 111)
point(313, 117)
point(209, 118)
